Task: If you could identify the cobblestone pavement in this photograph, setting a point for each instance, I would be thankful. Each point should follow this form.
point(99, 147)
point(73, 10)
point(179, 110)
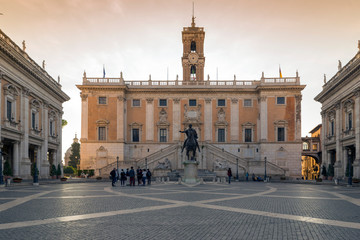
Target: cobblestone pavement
point(245, 210)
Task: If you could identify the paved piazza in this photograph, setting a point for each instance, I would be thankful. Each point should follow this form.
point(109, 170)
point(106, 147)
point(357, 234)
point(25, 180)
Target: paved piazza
point(171, 211)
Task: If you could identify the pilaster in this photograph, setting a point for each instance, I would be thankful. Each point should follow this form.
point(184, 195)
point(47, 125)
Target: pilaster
point(120, 118)
point(208, 120)
point(298, 99)
point(357, 133)
point(263, 119)
point(338, 124)
point(323, 133)
point(44, 165)
point(84, 116)
point(176, 119)
point(16, 161)
point(234, 131)
point(24, 111)
point(149, 119)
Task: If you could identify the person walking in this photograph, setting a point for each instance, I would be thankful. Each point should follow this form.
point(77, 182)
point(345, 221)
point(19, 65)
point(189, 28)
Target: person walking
point(229, 173)
point(113, 177)
point(122, 177)
point(144, 176)
point(247, 176)
point(132, 176)
point(148, 176)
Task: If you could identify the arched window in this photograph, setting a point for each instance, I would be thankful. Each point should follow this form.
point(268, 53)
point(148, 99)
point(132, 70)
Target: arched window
point(193, 73)
point(305, 146)
point(193, 46)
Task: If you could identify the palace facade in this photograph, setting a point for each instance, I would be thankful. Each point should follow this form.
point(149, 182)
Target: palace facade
point(31, 112)
point(240, 123)
point(340, 99)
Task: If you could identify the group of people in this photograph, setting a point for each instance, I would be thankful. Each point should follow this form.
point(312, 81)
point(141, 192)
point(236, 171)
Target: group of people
point(254, 178)
point(142, 176)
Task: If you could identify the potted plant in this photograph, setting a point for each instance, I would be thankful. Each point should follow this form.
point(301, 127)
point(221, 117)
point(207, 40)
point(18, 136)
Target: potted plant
point(58, 171)
point(63, 179)
point(323, 172)
point(356, 180)
point(17, 180)
point(53, 171)
point(7, 172)
point(330, 172)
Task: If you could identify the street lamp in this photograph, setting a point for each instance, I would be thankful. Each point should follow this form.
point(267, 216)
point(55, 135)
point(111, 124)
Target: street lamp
point(117, 163)
point(146, 163)
point(265, 169)
point(1, 169)
point(349, 159)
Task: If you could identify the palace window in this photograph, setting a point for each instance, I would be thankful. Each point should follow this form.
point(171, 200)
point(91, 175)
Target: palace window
point(247, 103)
point(162, 103)
point(280, 100)
point(9, 110)
point(101, 133)
point(193, 73)
point(135, 134)
point(193, 46)
point(221, 135)
point(102, 100)
point(163, 135)
point(136, 102)
point(349, 122)
point(248, 135)
point(281, 134)
point(332, 128)
point(221, 102)
point(34, 120)
point(51, 127)
point(315, 147)
point(192, 102)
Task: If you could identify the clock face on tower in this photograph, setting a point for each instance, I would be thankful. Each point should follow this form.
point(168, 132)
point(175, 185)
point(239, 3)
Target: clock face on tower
point(193, 57)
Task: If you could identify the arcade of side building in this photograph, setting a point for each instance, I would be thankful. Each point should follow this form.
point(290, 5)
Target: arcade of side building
point(240, 123)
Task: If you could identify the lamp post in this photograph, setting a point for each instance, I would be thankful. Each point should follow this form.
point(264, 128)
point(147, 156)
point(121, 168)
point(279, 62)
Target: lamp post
point(349, 159)
point(146, 163)
point(1, 169)
point(265, 169)
point(117, 163)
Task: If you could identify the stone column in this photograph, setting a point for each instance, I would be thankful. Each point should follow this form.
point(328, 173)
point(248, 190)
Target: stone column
point(338, 124)
point(38, 159)
point(59, 138)
point(298, 99)
point(208, 120)
point(176, 119)
point(84, 116)
point(357, 133)
point(150, 119)
point(24, 111)
point(16, 159)
point(44, 165)
point(234, 119)
point(263, 119)
point(120, 119)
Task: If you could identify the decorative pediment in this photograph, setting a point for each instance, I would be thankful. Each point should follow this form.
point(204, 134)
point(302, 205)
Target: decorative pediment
point(52, 114)
point(163, 118)
point(248, 125)
point(10, 89)
point(348, 104)
point(135, 125)
point(35, 104)
point(101, 152)
point(102, 122)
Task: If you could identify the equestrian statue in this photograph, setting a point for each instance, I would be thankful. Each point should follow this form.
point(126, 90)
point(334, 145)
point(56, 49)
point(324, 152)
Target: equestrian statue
point(191, 143)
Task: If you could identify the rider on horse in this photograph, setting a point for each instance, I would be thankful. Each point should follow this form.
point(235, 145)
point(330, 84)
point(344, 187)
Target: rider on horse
point(191, 137)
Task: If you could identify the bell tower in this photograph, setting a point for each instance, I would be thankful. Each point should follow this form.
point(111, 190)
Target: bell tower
point(193, 60)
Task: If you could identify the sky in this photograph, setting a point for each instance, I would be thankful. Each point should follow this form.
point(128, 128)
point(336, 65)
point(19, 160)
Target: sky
point(142, 37)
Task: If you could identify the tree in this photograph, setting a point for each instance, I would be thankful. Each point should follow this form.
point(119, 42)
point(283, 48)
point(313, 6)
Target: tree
point(58, 171)
point(75, 155)
point(331, 170)
point(63, 122)
point(53, 170)
point(7, 169)
point(69, 170)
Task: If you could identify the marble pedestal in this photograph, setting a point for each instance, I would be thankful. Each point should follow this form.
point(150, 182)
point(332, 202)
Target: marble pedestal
point(190, 171)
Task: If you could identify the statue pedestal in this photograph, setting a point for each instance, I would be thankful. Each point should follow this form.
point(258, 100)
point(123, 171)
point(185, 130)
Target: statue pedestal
point(190, 171)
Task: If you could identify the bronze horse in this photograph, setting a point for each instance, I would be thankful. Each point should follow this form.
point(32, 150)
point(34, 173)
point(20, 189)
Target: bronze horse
point(190, 143)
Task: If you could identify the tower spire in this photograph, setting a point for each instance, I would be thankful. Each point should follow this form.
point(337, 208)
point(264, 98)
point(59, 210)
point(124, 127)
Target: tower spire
point(193, 17)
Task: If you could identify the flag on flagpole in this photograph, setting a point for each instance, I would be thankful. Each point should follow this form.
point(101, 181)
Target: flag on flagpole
point(103, 71)
point(280, 72)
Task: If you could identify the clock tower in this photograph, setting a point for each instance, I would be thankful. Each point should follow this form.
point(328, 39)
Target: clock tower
point(193, 60)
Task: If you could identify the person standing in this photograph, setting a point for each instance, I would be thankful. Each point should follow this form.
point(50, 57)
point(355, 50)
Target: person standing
point(113, 177)
point(229, 173)
point(139, 175)
point(148, 176)
point(144, 176)
point(127, 174)
point(122, 177)
point(132, 176)
point(247, 176)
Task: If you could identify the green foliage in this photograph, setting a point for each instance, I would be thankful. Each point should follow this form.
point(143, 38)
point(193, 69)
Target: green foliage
point(52, 170)
point(347, 170)
point(7, 169)
point(91, 172)
point(331, 170)
point(58, 170)
point(323, 171)
point(69, 170)
point(33, 170)
point(79, 172)
point(63, 122)
point(75, 155)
